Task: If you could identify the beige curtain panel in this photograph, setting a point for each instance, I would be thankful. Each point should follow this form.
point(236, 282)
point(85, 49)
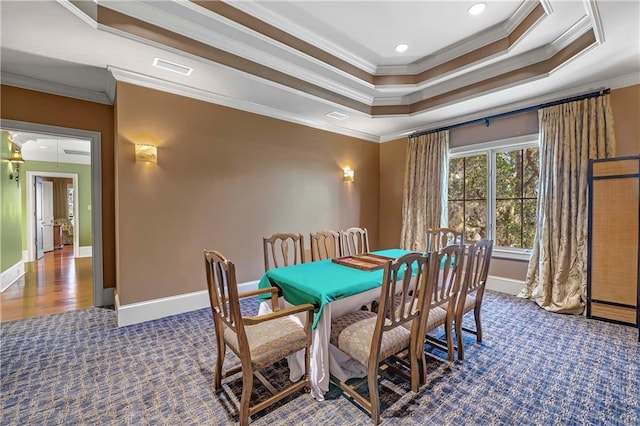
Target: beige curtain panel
point(570, 135)
point(424, 198)
point(60, 210)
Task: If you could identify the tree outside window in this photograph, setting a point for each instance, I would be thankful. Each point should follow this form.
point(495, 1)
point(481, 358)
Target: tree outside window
point(493, 194)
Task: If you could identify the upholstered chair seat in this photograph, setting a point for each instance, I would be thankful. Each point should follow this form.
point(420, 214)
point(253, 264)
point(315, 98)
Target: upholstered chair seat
point(394, 332)
point(269, 341)
point(353, 334)
point(259, 341)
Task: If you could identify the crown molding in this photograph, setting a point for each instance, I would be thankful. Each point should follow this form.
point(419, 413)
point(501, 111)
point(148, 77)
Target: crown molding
point(594, 14)
point(483, 72)
point(54, 88)
point(85, 17)
point(615, 83)
point(464, 46)
point(182, 26)
point(150, 82)
point(546, 5)
point(569, 36)
point(256, 9)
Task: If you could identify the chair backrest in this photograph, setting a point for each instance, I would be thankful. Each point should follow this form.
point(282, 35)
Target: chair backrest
point(405, 296)
point(223, 295)
point(477, 268)
point(439, 238)
point(325, 245)
point(354, 241)
point(283, 250)
point(447, 272)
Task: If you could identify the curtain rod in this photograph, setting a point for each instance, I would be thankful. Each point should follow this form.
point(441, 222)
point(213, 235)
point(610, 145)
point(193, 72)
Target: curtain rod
point(486, 120)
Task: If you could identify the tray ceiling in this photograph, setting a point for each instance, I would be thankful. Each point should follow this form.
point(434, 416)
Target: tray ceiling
point(301, 60)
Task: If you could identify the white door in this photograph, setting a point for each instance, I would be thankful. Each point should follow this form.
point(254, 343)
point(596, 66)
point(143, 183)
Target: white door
point(38, 219)
point(47, 215)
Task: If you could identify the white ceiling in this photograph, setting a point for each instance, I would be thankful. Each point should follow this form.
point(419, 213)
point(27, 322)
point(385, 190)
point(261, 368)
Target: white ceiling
point(54, 47)
point(54, 149)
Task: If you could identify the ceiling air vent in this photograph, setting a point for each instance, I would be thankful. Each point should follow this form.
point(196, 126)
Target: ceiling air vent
point(172, 66)
point(76, 152)
point(337, 115)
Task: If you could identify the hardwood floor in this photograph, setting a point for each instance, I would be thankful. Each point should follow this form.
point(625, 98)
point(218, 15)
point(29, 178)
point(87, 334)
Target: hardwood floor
point(56, 283)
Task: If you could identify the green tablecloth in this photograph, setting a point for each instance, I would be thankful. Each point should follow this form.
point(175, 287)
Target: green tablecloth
point(323, 281)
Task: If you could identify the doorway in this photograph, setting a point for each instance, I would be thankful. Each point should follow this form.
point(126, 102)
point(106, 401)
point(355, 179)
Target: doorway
point(35, 229)
point(93, 211)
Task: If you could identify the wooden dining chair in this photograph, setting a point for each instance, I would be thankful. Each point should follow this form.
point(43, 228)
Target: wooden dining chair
point(259, 341)
point(282, 249)
point(325, 244)
point(448, 263)
point(372, 338)
point(475, 279)
point(439, 238)
point(354, 241)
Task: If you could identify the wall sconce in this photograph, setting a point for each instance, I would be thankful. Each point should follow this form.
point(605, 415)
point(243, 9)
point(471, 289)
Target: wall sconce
point(16, 159)
point(348, 176)
point(146, 153)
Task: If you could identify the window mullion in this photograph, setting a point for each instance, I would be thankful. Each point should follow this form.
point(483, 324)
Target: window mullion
point(491, 194)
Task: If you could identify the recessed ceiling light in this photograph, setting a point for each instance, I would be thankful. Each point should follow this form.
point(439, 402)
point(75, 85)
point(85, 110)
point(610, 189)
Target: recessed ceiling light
point(477, 8)
point(172, 66)
point(402, 47)
point(44, 147)
point(337, 115)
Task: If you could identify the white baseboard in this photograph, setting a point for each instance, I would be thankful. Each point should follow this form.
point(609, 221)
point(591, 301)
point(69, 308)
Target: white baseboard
point(149, 310)
point(11, 275)
point(85, 251)
point(504, 285)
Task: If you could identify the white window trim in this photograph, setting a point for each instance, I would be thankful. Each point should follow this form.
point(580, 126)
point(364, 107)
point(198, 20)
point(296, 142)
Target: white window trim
point(511, 253)
point(518, 142)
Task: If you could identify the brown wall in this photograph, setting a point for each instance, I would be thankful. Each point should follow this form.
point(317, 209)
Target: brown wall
point(504, 128)
point(224, 179)
point(221, 156)
point(392, 159)
point(625, 104)
point(43, 108)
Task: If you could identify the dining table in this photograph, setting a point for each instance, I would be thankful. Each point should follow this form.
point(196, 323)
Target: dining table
point(335, 290)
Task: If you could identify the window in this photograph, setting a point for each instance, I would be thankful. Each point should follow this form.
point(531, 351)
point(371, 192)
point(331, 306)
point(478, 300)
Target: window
point(493, 192)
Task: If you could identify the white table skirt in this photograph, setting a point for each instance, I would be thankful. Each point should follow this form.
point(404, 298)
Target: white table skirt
point(325, 357)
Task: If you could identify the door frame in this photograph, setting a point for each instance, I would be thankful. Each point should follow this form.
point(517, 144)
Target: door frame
point(96, 192)
point(31, 231)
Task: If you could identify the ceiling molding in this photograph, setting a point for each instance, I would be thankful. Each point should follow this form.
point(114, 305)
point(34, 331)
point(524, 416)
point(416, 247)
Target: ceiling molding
point(256, 9)
point(150, 82)
point(79, 9)
point(490, 79)
point(284, 38)
point(54, 88)
point(497, 42)
point(166, 38)
point(570, 35)
point(493, 84)
point(497, 35)
point(548, 9)
point(616, 83)
point(593, 13)
point(523, 60)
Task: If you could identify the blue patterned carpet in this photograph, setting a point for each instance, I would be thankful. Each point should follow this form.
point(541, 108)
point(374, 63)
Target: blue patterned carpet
point(533, 368)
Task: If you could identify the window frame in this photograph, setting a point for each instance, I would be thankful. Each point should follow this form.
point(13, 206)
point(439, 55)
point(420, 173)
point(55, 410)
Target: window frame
point(490, 149)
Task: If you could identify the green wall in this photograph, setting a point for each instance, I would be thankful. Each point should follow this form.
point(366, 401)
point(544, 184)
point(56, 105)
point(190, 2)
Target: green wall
point(84, 193)
point(10, 211)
